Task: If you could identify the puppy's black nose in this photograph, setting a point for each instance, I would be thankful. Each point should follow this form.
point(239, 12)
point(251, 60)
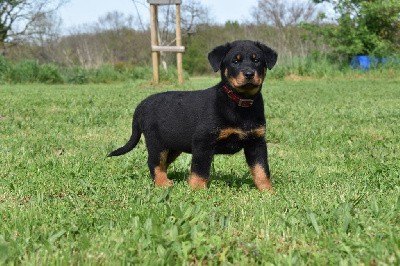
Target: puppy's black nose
point(249, 74)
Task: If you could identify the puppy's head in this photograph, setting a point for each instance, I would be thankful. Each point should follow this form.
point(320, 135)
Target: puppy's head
point(243, 64)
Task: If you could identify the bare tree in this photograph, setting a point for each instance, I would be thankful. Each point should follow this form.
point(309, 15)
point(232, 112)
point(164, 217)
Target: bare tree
point(193, 13)
point(118, 37)
point(17, 16)
point(280, 13)
point(115, 20)
point(46, 28)
point(113, 40)
point(43, 35)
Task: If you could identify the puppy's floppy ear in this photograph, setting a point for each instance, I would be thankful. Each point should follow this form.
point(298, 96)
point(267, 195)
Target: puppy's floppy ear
point(270, 55)
point(217, 55)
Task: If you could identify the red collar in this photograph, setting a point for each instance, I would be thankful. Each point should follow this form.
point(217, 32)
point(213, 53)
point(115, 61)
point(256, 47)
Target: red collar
point(236, 98)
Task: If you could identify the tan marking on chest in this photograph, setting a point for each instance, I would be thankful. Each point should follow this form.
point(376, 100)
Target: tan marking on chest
point(258, 132)
point(225, 133)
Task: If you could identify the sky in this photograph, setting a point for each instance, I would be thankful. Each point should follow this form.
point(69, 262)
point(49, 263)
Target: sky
point(79, 12)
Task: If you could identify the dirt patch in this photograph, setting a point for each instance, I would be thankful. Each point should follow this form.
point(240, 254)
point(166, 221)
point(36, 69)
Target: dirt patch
point(297, 77)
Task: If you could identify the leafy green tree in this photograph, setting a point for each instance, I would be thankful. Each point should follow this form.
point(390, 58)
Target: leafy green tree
point(368, 27)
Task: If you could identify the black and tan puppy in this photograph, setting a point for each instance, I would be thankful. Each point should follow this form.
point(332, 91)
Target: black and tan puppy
point(219, 120)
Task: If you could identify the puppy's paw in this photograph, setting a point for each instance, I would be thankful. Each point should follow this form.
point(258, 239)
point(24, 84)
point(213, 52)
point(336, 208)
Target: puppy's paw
point(197, 182)
point(265, 186)
point(163, 181)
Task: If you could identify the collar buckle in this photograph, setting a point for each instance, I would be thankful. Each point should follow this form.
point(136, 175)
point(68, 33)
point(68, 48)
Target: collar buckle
point(245, 102)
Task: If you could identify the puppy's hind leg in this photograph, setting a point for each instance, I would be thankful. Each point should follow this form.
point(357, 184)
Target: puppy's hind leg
point(158, 168)
point(172, 155)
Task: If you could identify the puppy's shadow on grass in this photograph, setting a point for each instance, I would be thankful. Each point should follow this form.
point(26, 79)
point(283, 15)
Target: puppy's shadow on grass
point(232, 181)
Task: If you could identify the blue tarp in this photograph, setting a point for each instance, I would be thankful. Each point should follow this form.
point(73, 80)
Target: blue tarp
point(366, 62)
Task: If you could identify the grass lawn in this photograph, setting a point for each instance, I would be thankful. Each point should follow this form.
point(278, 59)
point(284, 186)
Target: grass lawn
point(334, 155)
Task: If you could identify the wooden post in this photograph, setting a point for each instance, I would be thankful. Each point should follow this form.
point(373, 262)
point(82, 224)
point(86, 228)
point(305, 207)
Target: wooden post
point(179, 43)
point(156, 49)
point(154, 41)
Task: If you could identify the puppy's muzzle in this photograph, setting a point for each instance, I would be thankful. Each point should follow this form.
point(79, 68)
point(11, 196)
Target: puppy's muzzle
point(249, 75)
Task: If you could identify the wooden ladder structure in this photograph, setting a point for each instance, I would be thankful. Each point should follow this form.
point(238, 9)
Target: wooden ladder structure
point(155, 46)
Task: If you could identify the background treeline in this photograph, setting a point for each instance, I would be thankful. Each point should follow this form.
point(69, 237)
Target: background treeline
point(125, 47)
point(123, 54)
point(117, 46)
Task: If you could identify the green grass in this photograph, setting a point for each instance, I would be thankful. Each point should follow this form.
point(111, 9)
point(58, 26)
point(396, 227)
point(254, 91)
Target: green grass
point(334, 155)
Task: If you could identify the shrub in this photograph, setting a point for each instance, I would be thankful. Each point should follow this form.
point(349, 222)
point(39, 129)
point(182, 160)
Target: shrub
point(77, 75)
point(5, 67)
point(170, 75)
point(194, 60)
point(106, 74)
point(140, 73)
point(25, 72)
point(123, 67)
point(50, 74)
point(362, 28)
point(278, 72)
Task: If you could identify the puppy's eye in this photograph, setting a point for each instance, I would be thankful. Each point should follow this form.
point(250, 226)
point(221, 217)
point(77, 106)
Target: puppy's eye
point(237, 59)
point(255, 60)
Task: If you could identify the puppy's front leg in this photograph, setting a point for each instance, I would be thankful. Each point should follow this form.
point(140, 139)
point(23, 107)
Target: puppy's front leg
point(202, 155)
point(257, 159)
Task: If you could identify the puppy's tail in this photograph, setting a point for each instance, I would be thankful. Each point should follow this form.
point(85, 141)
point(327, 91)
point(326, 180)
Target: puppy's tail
point(132, 142)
